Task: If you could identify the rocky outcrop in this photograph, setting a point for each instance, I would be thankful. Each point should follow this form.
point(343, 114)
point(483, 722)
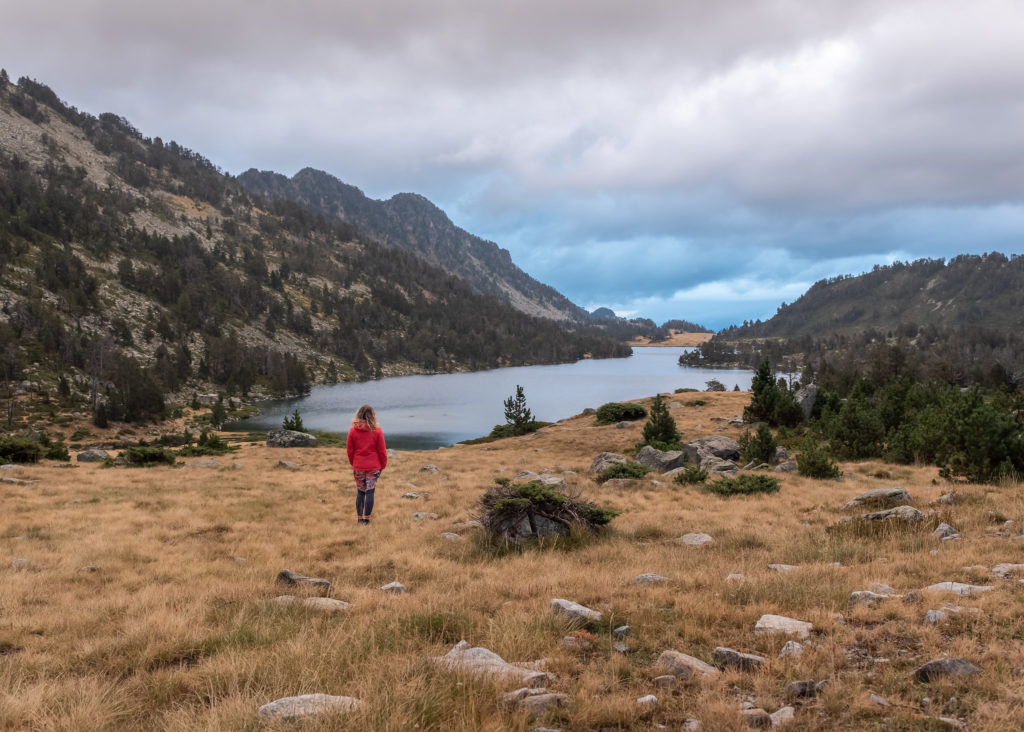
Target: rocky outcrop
point(720, 446)
point(805, 397)
point(606, 460)
point(661, 461)
point(881, 498)
point(93, 456)
point(483, 662)
point(682, 666)
point(290, 438)
point(574, 611)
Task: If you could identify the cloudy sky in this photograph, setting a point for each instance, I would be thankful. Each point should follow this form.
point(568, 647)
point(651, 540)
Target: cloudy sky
point(666, 158)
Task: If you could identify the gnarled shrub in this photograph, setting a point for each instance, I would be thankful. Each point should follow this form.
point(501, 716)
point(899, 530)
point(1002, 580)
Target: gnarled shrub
point(744, 484)
point(613, 412)
point(517, 512)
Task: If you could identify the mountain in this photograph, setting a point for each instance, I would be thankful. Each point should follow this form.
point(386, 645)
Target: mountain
point(131, 269)
point(967, 291)
point(410, 222)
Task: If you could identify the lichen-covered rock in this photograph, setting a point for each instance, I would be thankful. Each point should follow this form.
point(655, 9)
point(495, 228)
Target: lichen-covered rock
point(93, 455)
point(481, 661)
point(308, 705)
point(606, 460)
point(574, 611)
point(945, 667)
point(729, 658)
point(290, 438)
point(682, 666)
point(881, 498)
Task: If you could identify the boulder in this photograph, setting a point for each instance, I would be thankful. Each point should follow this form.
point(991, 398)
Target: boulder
point(718, 465)
point(290, 438)
point(395, 588)
point(661, 461)
point(881, 498)
point(430, 469)
point(780, 624)
point(574, 611)
point(322, 604)
point(682, 666)
point(782, 716)
point(483, 662)
point(1007, 570)
point(945, 531)
point(718, 445)
point(788, 466)
point(866, 597)
point(792, 649)
point(901, 514)
point(93, 456)
point(729, 658)
point(288, 577)
point(958, 588)
point(534, 701)
point(756, 718)
point(805, 397)
point(546, 528)
point(555, 481)
point(605, 460)
point(649, 579)
point(944, 668)
point(780, 455)
point(292, 708)
point(696, 539)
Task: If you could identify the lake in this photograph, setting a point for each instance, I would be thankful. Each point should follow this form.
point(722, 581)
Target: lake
point(427, 412)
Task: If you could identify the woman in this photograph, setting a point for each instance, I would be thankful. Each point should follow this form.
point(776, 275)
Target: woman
point(368, 455)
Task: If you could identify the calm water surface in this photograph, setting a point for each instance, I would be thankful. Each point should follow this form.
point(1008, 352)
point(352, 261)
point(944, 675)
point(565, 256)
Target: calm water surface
point(427, 412)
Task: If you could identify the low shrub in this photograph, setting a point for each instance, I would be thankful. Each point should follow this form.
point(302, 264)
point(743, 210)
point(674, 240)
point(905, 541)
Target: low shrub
point(691, 475)
point(20, 450)
point(613, 412)
point(758, 447)
point(685, 390)
point(815, 461)
point(511, 430)
point(504, 507)
point(744, 484)
point(209, 443)
point(293, 422)
point(147, 456)
point(627, 471)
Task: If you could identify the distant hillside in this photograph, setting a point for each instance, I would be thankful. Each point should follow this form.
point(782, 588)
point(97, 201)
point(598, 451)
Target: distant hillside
point(131, 268)
point(410, 222)
point(967, 291)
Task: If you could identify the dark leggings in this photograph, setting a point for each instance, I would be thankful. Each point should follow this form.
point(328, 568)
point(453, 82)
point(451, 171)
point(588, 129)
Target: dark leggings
point(366, 481)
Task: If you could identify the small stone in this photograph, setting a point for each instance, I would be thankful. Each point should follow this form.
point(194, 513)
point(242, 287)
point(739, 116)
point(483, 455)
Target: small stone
point(467, 525)
point(881, 589)
point(574, 611)
point(783, 715)
point(958, 587)
point(621, 632)
point(649, 579)
point(693, 725)
point(421, 515)
point(683, 666)
point(945, 667)
point(756, 718)
point(308, 705)
point(573, 641)
point(945, 531)
point(450, 536)
point(93, 456)
point(696, 539)
point(395, 588)
point(647, 702)
point(877, 701)
point(19, 564)
point(783, 568)
point(935, 616)
point(779, 624)
point(802, 689)
point(666, 681)
point(430, 469)
point(791, 649)
point(866, 597)
point(286, 465)
point(322, 604)
point(729, 658)
point(288, 577)
point(621, 648)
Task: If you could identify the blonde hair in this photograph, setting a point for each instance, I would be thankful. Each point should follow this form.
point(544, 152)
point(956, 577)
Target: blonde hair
point(365, 417)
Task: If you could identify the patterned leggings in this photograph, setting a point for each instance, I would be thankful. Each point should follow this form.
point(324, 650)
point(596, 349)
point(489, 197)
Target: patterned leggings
point(366, 481)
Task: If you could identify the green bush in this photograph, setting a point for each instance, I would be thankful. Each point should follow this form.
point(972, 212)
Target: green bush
point(770, 402)
point(814, 461)
point(505, 505)
point(147, 456)
point(613, 412)
point(20, 450)
point(209, 443)
point(685, 390)
point(691, 475)
point(758, 447)
point(627, 471)
point(510, 430)
point(744, 484)
point(293, 423)
point(660, 431)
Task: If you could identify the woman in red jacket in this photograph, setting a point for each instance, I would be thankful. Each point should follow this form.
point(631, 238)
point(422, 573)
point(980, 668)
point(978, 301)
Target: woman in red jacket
point(368, 455)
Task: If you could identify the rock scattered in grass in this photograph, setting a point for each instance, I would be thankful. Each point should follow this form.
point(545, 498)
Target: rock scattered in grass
point(430, 469)
point(958, 588)
point(944, 668)
point(574, 611)
point(288, 577)
point(395, 588)
point(290, 438)
point(606, 460)
point(650, 701)
point(782, 716)
point(682, 666)
point(467, 525)
point(649, 578)
point(483, 662)
point(756, 718)
point(901, 515)
point(621, 648)
point(696, 539)
point(944, 531)
point(450, 536)
point(308, 705)
point(93, 456)
point(881, 498)
point(729, 658)
point(666, 681)
point(877, 701)
point(934, 617)
point(866, 597)
point(802, 689)
point(881, 589)
point(783, 568)
point(792, 649)
point(1007, 570)
point(286, 465)
point(322, 604)
point(780, 624)
point(414, 495)
point(621, 632)
point(735, 577)
point(534, 701)
point(19, 564)
point(421, 515)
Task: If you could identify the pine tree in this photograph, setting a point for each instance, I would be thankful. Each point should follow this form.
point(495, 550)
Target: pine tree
point(660, 431)
point(516, 413)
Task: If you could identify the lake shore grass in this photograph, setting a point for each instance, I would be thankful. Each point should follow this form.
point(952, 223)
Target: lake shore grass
point(147, 597)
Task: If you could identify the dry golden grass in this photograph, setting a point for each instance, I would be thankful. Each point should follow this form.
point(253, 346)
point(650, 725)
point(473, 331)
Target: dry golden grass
point(174, 628)
point(678, 338)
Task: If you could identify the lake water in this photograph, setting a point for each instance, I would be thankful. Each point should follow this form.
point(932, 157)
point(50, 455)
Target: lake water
point(427, 412)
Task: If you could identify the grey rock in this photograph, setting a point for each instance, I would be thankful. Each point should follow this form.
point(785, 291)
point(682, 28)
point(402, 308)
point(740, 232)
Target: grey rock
point(545, 528)
point(450, 536)
point(526, 476)
point(781, 625)
point(878, 701)
point(881, 498)
point(285, 465)
point(958, 588)
point(588, 411)
point(649, 579)
point(666, 681)
point(714, 464)
point(866, 597)
point(946, 499)
point(792, 649)
point(683, 666)
point(881, 589)
point(290, 438)
point(19, 564)
point(780, 455)
point(621, 632)
point(483, 662)
point(789, 466)
point(421, 515)
point(621, 483)
point(322, 604)
point(467, 525)
point(574, 611)
point(93, 455)
point(805, 397)
point(606, 460)
point(430, 469)
point(288, 577)
point(661, 461)
point(308, 705)
point(647, 702)
point(620, 648)
point(900, 514)
point(782, 716)
point(945, 531)
point(729, 658)
point(783, 568)
point(696, 539)
point(395, 588)
point(945, 667)
point(802, 689)
point(574, 641)
point(933, 617)
point(554, 481)
point(205, 463)
point(623, 425)
point(1007, 570)
point(756, 718)
point(720, 446)
point(415, 495)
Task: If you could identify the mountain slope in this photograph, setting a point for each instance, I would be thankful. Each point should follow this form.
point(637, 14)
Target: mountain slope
point(131, 268)
point(967, 291)
point(409, 221)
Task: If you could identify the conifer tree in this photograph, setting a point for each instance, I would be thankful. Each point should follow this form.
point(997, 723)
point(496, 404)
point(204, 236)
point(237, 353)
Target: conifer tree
point(516, 413)
point(660, 431)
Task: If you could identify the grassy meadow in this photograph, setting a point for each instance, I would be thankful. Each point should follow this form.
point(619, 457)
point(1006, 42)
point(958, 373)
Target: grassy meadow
point(147, 598)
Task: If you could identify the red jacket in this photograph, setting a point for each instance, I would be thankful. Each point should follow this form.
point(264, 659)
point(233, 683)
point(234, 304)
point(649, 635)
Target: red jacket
point(366, 449)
